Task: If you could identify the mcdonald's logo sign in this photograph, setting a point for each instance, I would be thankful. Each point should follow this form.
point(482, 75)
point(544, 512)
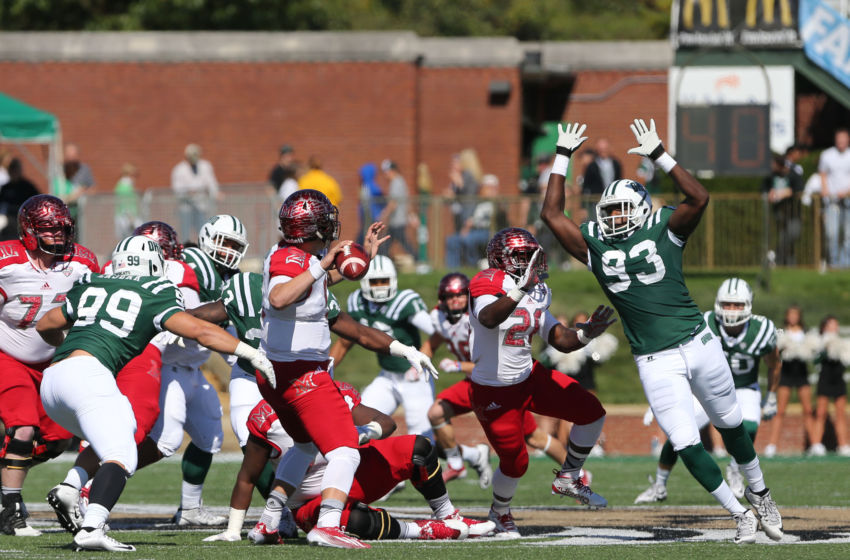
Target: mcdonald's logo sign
point(724, 23)
point(768, 13)
point(708, 9)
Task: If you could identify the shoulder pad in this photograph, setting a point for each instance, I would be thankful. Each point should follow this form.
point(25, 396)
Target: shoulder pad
point(12, 252)
point(288, 261)
point(487, 282)
point(84, 256)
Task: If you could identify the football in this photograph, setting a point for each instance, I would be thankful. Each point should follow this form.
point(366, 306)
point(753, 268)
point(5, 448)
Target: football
point(352, 262)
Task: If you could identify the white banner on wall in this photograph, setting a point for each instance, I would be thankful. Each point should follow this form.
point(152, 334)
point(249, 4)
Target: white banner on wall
point(735, 85)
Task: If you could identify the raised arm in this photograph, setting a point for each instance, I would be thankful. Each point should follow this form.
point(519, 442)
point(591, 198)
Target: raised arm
point(688, 213)
point(495, 313)
point(563, 228)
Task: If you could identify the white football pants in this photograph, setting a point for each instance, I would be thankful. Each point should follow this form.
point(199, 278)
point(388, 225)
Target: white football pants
point(244, 396)
point(749, 399)
point(389, 390)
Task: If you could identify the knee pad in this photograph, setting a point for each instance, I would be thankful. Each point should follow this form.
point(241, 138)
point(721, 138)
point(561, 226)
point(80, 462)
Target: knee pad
point(46, 450)
point(426, 463)
point(371, 524)
point(348, 454)
point(16, 447)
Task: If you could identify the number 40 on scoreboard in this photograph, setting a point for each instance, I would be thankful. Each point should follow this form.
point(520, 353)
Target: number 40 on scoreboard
point(725, 140)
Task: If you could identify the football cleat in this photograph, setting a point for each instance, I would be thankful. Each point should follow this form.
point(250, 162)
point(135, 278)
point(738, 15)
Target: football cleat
point(97, 539)
point(735, 480)
point(482, 466)
point(13, 521)
point(451, 474)
point(65, 501)
point(226, 536)
point(197, 516)
point(441, 530)
point(655, 493)
point(746, 530)
point(565, 484)
point(767, 513)
point(476, 527)
point(334, 537)
point(260, 534)
point(504, 525)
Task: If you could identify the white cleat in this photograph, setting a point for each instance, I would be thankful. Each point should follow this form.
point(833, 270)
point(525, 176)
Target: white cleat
point(655, 493)
point(767, 513)
point(746, 530)
point(569, 484)
point(735, 481)
point(334, 537)
point(505, 525)
point(482, 466)
point(13, 521)
point(198, 516)
point(476, 527)
point(97, 539)
point(442, 530)
point(65, 501)
point(226, 536)
point(261, 534)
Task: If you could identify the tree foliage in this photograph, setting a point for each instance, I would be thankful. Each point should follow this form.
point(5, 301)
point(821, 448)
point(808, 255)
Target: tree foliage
point(527, 20)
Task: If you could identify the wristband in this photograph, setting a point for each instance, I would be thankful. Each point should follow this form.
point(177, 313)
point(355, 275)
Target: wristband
point(582, 337)
point(561, 163)
point(245, 351)
point(317, 270)
point(516, 294)
point(666, 162)
point(397, 348)
point(235, 521)
point(374, 430)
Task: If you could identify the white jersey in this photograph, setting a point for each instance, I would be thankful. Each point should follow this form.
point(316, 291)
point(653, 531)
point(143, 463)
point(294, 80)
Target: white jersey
point(299, 331)
point(502, 355)
point(27, 293)
point(456, 334)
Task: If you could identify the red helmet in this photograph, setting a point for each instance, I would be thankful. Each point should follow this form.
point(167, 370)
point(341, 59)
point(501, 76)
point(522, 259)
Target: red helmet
point(452, 284)
point(44, 211)
point(164, 235)
point(307, 215)
point(511, 249)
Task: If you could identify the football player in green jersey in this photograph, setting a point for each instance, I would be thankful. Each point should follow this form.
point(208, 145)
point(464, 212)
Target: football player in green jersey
point(636, 256)
point(111, 319)
point(746, 340)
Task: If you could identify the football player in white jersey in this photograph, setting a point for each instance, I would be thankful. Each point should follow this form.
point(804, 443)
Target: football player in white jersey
point(509, 304)
point(36, 272)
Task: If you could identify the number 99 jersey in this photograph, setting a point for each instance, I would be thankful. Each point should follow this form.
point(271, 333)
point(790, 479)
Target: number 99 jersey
point(642, 276)
point(502, 355)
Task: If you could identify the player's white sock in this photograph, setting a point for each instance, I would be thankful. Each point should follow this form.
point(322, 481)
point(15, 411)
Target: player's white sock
point(274, 507)
point(504, 488)
point(661, 476)
point(76, 477)
point(723, 494)
point(409, 530)
point(454, 458)
point(442, 506)
point(752, 472)
point(470, 454)
point(330, 513)
point(191, 495)
point(96, 515)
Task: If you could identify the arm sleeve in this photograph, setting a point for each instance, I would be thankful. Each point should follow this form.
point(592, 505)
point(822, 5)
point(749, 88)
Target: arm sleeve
point(422, 321)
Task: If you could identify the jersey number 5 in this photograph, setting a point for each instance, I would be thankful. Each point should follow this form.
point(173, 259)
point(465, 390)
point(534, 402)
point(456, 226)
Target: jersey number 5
point(122, 310)
point(614, 264)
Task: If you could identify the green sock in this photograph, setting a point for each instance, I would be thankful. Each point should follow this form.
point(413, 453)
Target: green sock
point(702, 466)
point(738, 443)
point(265, 480)
point(668, 455)
point(196, 464)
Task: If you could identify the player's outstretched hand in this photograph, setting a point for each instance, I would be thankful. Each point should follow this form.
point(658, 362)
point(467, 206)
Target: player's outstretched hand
point(600, 320)
point(419, 361)
point(327, 261)
point(372, 242)
point(449, 366)
point(650, 144)
point(769, 407)
point(529, 277)
point(258, 361)
point(225, 536)
point(570, 138)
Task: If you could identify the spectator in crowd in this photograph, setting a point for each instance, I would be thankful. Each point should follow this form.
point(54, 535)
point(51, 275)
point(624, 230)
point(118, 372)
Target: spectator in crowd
point(196, 187)
point(469, 246)
point(834, 169)
point(796, 350)
point(781, 188)
point(396, 212)
point(599, 173)
point(5, 160)
point(833, 360)
point(83, 178)
point(464, 183)
point(126, 202)
point(792, 159)
point(282, 176)
point(372, 200)
point(12, 195)
point(317, 179)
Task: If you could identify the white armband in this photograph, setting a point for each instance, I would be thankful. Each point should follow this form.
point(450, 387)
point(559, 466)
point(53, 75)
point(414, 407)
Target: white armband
point(398, 349)
point(583, 337)
point(245, 351)
point(666, 162)
point(316, 270)
point(560, 165)
point(516, 294)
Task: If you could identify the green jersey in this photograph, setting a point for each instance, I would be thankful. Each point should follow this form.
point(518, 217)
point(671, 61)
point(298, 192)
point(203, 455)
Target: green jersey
point(392, 317)
point(116, 315)
point(744, 352)
point(642, 276)
point(209, 280)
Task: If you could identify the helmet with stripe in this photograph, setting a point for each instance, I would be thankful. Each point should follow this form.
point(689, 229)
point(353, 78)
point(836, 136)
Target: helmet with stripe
point(734, 302)
point(224, 240)
point(138, 255)
point(163, 234)
point(624, 207)
point(381, 281)
point(451, 285)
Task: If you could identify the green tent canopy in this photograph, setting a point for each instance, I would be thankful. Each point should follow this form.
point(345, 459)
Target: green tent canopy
point(24, 124)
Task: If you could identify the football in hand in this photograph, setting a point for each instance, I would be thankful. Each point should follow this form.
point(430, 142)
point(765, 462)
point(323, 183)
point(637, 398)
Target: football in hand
point(352, 262)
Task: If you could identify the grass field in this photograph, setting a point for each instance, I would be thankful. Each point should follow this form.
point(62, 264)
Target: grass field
point(811, 493)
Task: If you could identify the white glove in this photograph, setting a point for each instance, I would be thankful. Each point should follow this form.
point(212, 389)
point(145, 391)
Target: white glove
point(449, 366)
point(570, 138)
point(165, 338)
point(420, 362)
point(259, 361)
point(370, 431)
point(648, 416)
point(650, 143)
point(225, 536)
point(768, 407)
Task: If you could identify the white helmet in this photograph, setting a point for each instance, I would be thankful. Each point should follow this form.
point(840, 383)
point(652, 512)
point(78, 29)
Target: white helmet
point(734, 290)
point(218, 230)
point(379, 268)
point(631, 199)
point(138, 255)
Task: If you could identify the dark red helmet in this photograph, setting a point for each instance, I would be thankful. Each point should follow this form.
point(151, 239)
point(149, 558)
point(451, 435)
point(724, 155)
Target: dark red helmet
point(44, 211)
point(307, 215)
point(452, 284)
point(511, 250)
point(164, 235)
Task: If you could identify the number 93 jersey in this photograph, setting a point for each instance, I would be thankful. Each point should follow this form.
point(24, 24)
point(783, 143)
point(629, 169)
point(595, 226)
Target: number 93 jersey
point(642, 277)
point(502, 355)
point(115, 315)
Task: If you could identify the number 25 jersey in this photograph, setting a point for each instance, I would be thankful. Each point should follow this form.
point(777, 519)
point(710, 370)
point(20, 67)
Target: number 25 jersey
point(642, 277)
point(502, 355)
